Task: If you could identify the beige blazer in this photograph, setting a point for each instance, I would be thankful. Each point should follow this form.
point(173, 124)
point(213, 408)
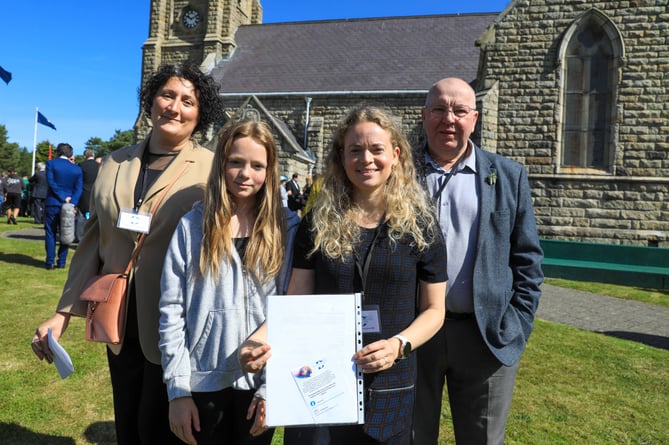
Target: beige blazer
point(105, 248)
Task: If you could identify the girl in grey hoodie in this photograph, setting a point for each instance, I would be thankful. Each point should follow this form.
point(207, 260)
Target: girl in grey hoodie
point(226, 256)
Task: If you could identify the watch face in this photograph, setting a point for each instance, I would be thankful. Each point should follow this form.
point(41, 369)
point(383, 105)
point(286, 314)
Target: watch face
point(190, 19)
point(407, 349)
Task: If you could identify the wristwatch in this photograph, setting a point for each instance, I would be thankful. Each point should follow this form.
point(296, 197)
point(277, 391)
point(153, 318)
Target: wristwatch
point(405, 347)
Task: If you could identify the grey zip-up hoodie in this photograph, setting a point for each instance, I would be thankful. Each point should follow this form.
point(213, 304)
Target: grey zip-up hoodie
point(204, 320)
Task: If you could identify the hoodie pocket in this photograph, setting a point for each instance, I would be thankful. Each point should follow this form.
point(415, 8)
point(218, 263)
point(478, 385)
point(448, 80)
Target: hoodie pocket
point(217, 344)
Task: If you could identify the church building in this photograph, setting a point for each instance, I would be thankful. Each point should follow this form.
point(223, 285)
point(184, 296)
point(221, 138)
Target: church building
point(576, 91)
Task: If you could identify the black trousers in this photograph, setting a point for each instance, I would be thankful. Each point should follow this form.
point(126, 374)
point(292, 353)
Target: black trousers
point(140, 398)
point(223, 419)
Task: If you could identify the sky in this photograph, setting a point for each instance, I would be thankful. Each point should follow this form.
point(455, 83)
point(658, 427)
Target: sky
point(79, 62)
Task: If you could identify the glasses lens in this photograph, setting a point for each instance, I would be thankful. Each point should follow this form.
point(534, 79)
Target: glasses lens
point(437, 111)
point(459, 111)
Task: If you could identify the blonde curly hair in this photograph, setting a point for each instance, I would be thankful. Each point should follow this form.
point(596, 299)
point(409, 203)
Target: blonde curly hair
point(407, 205)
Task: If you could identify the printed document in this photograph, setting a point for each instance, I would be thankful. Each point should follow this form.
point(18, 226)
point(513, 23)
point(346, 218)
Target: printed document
point(311, 377)
point(60, 357)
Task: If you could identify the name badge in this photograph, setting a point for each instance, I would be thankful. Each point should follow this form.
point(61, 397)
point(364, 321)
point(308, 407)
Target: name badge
point(371, 320)
point(135, 221)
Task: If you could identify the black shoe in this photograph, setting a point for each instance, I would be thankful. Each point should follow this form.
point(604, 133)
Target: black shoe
point(50, 267)
point(13, 219)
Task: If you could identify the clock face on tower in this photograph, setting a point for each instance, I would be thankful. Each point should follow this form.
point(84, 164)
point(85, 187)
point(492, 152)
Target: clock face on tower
point(190, 18)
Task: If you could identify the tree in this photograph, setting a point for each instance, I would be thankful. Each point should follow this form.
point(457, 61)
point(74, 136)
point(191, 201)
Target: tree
point(120, 139)
point(25, 165)
point(22, 158)
point(9, 151)
point(42, 154)
point(96, 144)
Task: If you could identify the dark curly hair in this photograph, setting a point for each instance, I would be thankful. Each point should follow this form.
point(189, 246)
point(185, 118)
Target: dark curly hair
point(206, 88)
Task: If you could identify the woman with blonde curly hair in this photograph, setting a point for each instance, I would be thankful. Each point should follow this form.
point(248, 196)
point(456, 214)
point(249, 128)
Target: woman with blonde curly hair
point(405, 203)
point(226, 256)
point(372, 230)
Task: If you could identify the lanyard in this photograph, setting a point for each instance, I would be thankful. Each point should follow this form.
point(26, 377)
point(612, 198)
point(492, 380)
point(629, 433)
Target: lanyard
point(363, 270)
point(147, 177)
point(443, 180)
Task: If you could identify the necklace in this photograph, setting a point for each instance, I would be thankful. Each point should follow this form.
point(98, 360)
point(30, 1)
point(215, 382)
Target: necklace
point(160, 155)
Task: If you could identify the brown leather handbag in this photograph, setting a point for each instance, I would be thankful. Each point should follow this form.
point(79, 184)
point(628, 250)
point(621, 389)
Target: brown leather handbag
point(107, 297)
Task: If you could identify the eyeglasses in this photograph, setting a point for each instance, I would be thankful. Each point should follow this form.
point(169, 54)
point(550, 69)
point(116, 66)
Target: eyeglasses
point(459, 111)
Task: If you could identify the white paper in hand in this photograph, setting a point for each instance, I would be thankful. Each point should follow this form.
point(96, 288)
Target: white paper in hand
point(60, 357)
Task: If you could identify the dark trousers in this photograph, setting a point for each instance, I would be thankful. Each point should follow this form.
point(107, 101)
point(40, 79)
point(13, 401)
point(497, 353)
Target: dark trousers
point(38, 210)
point(51, 225)
point(480, 388)
point(223, 419)
point(140, 398)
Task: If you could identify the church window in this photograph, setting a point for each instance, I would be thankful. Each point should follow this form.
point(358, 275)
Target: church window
point(589, 93)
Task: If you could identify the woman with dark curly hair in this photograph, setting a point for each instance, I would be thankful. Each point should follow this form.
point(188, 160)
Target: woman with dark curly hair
point(180, 101)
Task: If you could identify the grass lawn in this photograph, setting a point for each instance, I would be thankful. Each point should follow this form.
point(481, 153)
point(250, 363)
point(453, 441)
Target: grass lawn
point(574, 387)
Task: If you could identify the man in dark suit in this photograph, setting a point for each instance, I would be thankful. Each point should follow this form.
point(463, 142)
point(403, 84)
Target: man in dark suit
point(39, 187)
point(89, 168)
point(494, 269)
point(295, 197)
point(65, 185)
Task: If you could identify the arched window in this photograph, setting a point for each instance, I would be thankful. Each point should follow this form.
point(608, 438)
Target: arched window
point(591, 53)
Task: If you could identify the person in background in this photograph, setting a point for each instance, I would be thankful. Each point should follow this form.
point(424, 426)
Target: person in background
point(12, 188)
point(485, 212)
point(295, 198)
point(65, 186)
point(313, 193)
point(283, 191)
point(181, 102)
point(25, 197)
point(308, 184)
point(224, 260)
point(38, 191)
point(89, 168)
point(371, 211)
point(3, 209)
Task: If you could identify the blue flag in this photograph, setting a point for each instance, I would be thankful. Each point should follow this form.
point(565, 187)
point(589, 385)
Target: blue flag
point(44, 121)
point(5, 75)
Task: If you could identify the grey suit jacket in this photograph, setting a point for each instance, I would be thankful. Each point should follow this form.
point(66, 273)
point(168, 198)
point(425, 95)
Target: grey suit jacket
point(507, 269)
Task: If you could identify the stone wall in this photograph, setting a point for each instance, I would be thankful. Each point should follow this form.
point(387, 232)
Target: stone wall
point(326, 111)
point(629, 204)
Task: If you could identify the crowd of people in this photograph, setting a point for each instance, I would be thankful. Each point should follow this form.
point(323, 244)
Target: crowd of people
point(56, 182)
point(440, 239)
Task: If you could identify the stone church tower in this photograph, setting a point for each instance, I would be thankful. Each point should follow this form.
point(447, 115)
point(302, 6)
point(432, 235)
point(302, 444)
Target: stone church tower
point(200, 30)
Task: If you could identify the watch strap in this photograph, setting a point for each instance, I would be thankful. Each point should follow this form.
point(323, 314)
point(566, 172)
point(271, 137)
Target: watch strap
point(403, 346)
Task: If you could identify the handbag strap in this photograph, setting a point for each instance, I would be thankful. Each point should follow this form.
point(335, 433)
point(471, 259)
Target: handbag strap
point(154, 209)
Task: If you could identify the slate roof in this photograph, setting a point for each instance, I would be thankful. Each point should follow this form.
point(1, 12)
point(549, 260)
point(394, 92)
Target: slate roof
point(383, 54)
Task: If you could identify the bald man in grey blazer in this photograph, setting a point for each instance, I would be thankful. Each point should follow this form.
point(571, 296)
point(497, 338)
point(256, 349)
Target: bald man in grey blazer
point(494, 267)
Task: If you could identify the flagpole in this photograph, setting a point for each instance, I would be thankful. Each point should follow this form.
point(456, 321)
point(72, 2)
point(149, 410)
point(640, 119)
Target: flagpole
point(35, 140)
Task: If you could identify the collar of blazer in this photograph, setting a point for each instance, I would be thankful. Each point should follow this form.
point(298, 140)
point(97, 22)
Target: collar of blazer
point(129, 170)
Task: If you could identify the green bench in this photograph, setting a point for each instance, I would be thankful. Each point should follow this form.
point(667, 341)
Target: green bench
point(606, 263)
